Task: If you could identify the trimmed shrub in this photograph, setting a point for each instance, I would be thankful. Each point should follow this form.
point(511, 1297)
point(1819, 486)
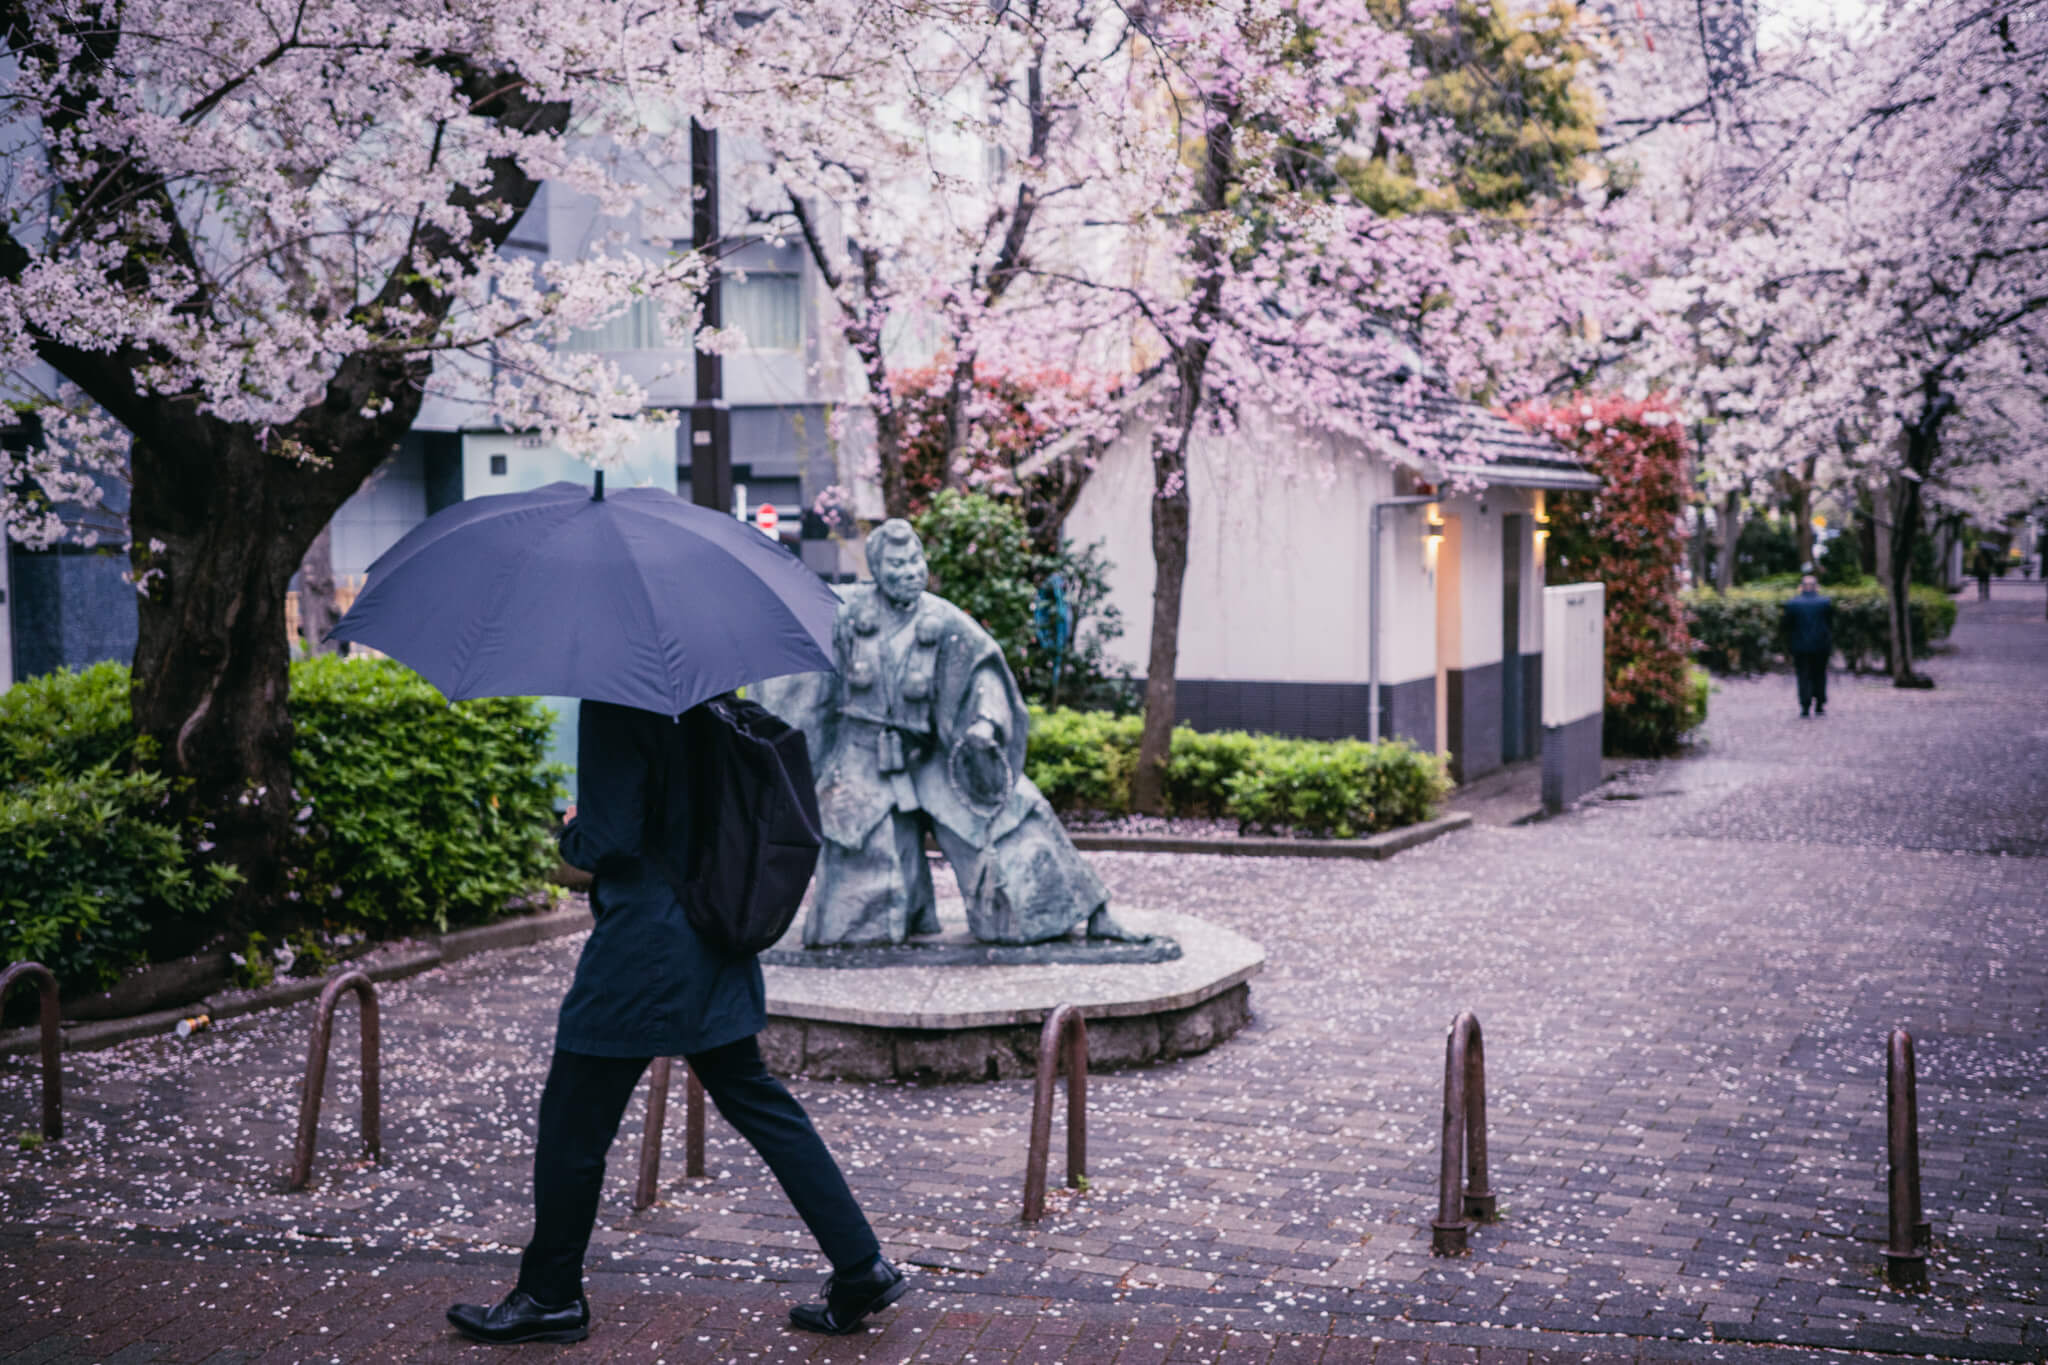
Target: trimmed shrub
point(1083, 761)
point(66, 722)
point(1202, 764)
point(1742, 631)
point(1336, 789)
point(417, 812)
point(89, 866)
point(414, 813)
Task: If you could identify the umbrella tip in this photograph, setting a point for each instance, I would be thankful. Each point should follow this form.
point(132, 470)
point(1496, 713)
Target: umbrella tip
point(597, 487)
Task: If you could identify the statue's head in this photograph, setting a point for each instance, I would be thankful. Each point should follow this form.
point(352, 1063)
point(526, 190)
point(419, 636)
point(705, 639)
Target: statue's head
point(896, 560)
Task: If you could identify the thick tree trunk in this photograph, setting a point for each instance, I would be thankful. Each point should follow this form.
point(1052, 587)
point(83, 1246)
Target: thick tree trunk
point(1905, 502)
point(1171, 506)
point(959, 393)
point(1922, 444)
point(317, 609)
point(1171, 503)
point(1731, 531)
point(211, 657)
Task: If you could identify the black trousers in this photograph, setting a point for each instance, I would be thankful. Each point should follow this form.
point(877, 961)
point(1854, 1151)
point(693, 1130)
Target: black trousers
point(1812, 669)
point(580, 1109)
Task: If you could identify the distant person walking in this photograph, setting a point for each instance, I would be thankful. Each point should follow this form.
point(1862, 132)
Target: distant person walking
point(1983, 564)
point(647, 985)
point(1810, 635)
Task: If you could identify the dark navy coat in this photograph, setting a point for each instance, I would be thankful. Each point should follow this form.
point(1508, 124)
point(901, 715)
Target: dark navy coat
point(1809, 623)
point(646, 985)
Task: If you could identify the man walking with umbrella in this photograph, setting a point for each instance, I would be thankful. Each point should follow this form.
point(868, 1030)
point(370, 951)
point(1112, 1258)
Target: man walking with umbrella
point(635, 604)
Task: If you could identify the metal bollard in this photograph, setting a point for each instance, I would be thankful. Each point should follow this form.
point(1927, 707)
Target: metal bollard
point(53, 1071)
point(1063, 1027)
point(316, 1075)
point(1463, 1194)
point(657, 1118)
point(1905, 1258)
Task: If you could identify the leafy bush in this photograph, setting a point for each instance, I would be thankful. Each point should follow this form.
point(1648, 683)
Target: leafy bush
point(418, 812)
point(1701, 685)
point(1625, 535)
point(89, 866)
point(1201, 766)
point(66, 722)
point(1337, 788)
point(1083, 761)
point(982, 560)
point(1743, 631)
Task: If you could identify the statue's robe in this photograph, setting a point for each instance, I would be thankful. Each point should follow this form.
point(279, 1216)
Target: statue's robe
point(889, 745)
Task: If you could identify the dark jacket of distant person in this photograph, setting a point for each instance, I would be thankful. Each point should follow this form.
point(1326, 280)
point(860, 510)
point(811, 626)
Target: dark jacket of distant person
point(646, 985)
point(1809, 622)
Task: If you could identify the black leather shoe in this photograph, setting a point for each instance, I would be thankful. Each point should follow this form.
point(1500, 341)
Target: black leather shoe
point(521, 1318)
point(849, 1298)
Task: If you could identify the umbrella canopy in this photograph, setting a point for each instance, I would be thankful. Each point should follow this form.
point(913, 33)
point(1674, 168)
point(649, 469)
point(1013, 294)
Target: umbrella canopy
point(637, 598)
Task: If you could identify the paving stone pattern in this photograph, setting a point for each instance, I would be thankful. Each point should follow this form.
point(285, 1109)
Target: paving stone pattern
point(1685, 986)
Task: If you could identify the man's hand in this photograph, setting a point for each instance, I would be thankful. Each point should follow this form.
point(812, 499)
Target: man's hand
point(981, 768)
point(570, 813)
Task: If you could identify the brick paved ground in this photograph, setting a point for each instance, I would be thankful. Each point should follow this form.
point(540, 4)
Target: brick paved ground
point(1685, 987)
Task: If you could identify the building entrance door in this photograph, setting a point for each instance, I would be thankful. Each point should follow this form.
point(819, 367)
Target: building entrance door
point(1513, 710)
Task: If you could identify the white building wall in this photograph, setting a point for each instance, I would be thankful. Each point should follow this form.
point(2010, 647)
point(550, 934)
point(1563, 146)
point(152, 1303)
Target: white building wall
point(1278, 582)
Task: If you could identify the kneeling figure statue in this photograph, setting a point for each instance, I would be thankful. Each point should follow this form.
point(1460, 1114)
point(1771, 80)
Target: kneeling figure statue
point(922, 730)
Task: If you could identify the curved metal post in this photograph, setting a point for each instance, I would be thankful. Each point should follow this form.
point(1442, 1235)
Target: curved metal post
point(1463, 1191)
point(316, 1075)
point(1065, 1030)
point(1905, 1259)
point(657, 1119)
point(53, 1071)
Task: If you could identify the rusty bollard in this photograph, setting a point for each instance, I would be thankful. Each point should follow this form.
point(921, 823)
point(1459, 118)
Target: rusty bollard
point(53, 1071)
point(316, 1075)
point(657, 1116)
point(1463, 1194)
point(1064, 1029)
point(1905, 1253)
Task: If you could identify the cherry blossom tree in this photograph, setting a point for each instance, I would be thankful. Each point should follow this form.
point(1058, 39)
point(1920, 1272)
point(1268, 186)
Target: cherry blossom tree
point(1253, 279)
point(1871, 292)
point(242, 241)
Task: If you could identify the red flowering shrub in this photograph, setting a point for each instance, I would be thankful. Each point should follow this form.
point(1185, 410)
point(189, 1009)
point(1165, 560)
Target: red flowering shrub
point(1010, 414)
point(1627, 535)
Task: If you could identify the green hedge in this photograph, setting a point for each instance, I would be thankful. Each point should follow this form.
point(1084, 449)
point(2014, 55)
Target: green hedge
point(418, 812)
point(1083, 761)
point(1743, 631)
point(89, 865)
point(414, 813)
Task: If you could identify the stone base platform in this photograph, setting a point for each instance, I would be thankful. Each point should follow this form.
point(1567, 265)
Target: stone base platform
point(974, 1022)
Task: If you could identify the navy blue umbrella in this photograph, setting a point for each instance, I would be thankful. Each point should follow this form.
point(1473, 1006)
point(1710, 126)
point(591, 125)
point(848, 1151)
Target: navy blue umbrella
point(638, 598)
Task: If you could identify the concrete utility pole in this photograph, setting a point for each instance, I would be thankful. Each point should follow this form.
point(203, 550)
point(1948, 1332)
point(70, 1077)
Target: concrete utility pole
point(710, 453)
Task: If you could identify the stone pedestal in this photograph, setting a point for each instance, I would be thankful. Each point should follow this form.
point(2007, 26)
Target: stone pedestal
point(966, 1022)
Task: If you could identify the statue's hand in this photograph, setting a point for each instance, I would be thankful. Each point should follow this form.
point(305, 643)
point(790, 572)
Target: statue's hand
point(981, 768)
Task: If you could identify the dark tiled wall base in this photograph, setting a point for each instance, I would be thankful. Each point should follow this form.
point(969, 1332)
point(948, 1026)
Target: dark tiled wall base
point(1311, 710)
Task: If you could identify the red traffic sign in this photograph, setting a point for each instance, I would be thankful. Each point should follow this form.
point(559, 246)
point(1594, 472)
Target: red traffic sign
point(766, 518)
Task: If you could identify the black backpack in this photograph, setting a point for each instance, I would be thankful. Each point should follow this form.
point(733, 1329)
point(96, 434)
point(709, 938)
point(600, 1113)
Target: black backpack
point(754, 825)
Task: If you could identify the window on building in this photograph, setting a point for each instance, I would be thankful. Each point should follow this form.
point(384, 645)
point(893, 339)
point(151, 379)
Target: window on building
point(638, 328)
point(767, 308)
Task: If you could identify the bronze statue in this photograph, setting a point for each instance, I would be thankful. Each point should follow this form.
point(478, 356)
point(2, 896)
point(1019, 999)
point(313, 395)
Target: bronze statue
point(922, 730)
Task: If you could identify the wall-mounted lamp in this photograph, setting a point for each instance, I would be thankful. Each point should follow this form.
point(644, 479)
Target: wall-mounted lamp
point(1435, 527)
point(1542, 524)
